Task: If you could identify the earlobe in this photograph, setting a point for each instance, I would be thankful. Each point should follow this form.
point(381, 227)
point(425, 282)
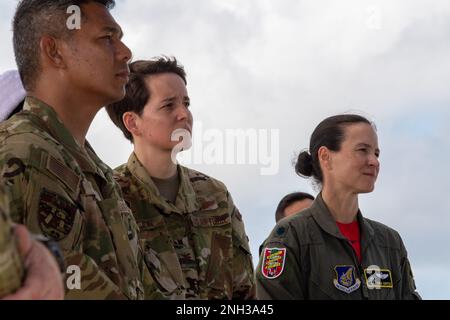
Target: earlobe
point(51, 51)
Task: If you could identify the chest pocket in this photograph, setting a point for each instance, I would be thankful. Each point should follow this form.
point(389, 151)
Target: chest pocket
point(159, 253)
point(212, 235)
point(321, 287)
point(329, 274)
point(122, 249)
point(385, 277)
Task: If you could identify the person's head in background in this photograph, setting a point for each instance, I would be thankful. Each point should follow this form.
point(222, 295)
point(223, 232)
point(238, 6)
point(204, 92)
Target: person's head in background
point(293, 203)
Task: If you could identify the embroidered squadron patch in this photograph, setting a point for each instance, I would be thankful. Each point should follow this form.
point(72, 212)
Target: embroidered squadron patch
point(56, 215)
point(273, 262)
point(377, 278)
point(346, 280)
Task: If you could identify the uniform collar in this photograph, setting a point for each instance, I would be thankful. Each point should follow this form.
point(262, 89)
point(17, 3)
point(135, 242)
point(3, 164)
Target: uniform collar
point(325, 220)
point(49, 120)
point(186, 201)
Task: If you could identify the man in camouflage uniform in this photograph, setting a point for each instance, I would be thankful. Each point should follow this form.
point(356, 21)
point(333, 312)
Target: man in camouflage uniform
point(59, 187)
point(193, 235)
point(18, 252)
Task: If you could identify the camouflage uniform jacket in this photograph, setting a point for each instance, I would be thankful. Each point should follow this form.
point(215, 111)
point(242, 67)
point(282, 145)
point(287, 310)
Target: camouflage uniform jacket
point(307, 257)
point(197, 247)
point(11, 265)
point(66, 193)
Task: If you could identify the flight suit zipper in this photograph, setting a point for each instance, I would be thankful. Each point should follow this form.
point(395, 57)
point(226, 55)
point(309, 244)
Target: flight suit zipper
point(359, 270)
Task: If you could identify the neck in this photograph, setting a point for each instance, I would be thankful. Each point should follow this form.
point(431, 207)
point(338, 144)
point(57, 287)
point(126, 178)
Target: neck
point(342, 205)
point(74, 112)
point(158, 163)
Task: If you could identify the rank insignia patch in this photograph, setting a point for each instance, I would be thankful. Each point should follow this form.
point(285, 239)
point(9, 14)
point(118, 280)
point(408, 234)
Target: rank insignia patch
point(377, 278)
point(56, 215)
point(273, 262)
point(346, 280)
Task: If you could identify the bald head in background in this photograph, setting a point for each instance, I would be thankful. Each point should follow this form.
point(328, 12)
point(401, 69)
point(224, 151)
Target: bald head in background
point(293, 203)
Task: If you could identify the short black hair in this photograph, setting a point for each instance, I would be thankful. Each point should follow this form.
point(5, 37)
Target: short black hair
point(288, 200)
point(33, 20)
point(137, 92)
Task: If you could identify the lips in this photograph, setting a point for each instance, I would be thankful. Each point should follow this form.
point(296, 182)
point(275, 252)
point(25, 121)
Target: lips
point(187, 128)
point(370, 174)
point(125, 74)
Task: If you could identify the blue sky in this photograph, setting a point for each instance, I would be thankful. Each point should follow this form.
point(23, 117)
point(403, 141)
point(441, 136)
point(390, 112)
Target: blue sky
point(286, 65)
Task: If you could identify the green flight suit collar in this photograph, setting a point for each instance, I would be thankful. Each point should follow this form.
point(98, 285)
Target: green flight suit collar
point(325, 220)
point(186, 201)
point(85, 156)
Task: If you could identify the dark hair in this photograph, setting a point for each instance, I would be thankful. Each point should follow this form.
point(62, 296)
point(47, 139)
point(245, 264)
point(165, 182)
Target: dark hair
point(33, 20)
point(288, 200)
point(329, 133)
point(137, 92)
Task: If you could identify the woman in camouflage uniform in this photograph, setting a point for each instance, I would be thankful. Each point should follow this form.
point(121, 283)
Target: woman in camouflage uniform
point(192, 233)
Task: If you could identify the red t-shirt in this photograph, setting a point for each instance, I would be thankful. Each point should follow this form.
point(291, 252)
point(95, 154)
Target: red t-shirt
point(352, 233)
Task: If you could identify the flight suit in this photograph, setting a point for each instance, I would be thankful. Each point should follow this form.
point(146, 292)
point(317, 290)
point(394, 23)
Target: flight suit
point(307, 257)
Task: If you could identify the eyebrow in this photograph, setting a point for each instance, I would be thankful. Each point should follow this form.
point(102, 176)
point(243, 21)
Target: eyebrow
point(174, 98)
point(112, 29)
point(362, 144)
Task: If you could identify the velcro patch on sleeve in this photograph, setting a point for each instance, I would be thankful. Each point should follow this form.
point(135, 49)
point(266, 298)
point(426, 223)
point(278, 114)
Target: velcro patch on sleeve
point(56, 215)
point(273, 262)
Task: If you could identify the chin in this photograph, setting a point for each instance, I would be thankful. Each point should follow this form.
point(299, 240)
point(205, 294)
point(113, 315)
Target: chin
point(120, 94)
point(367, 189)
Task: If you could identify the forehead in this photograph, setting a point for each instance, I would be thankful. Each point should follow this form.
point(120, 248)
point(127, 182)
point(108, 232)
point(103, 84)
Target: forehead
point(298, 205)
point(166, 83)
point(96, 15)
point(360, 133)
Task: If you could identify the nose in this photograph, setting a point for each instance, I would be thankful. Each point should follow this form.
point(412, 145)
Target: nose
point(124, 52)
point(374, 161)
point(183, 113)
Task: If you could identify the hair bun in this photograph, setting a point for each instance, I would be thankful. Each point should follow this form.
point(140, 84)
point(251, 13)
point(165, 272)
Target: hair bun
point(304, 165)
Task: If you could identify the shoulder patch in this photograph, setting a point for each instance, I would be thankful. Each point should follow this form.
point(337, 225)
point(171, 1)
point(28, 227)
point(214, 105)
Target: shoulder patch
point(69, 177)
point(15, 167)
point(273, 262)
point(56, 215)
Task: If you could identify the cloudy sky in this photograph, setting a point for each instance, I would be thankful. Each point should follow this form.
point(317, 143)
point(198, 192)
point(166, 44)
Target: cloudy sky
point(276, 69)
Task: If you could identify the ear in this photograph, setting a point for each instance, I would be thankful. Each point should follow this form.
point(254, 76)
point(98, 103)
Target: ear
point(324, 155)
point(51, 50)
point(130, 120)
